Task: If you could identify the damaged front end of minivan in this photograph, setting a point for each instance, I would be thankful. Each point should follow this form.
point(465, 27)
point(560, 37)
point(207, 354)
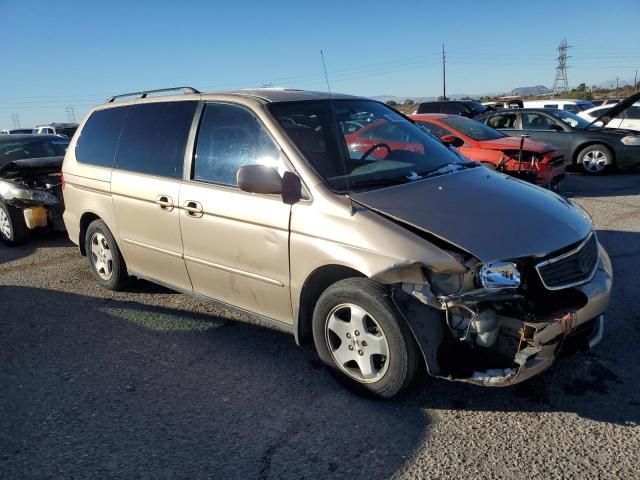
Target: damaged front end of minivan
point(500, 323)
point(33, 189)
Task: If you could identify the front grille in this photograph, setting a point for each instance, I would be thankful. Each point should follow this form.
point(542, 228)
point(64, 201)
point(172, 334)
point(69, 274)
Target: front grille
point(572, 268)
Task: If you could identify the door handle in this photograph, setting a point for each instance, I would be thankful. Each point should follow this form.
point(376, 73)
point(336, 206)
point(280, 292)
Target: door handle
point(165, 202)
point(193, 209)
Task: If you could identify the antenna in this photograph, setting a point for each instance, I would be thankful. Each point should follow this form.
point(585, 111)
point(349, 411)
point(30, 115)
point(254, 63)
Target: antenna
point(338, 132)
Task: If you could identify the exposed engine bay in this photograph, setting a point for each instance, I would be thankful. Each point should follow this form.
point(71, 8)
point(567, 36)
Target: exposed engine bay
point(499, 327)
point(34, 186)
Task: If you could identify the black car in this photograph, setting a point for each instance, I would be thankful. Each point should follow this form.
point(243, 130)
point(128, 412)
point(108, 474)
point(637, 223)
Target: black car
point(583, 143)
point(30, 184)
point(465, 108)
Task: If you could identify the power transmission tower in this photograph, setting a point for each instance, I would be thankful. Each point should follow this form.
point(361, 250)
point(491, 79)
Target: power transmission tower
point(71, 114)
point(561, 84)
point(444, 75)
point(16, 120)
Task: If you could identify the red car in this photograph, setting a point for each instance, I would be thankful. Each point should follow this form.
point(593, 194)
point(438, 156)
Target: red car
point(539, 162)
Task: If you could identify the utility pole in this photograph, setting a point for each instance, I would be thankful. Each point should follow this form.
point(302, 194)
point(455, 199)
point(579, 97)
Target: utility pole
point(561, 83)
point(16, 120)
point(635, 81)
point(444, 75)
point(71, 114)
point(617, 78)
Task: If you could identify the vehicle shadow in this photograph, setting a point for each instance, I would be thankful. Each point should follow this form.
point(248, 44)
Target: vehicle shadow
point(106, 388)
point(38, 239)
point(614, 184)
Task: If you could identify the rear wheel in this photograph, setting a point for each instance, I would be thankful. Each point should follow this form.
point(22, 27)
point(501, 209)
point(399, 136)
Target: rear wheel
point(594, 159)
point(13, 228)
point(359, 332)
point(105, 259)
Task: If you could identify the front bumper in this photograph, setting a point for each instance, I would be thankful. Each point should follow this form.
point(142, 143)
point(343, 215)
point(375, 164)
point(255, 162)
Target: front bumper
point(543, 341)
point(628, 156)
point(533, 344)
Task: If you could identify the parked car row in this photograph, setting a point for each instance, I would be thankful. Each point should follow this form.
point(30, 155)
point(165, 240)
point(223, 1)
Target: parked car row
point(591, 147)
point(64, 129)
point(340, 221)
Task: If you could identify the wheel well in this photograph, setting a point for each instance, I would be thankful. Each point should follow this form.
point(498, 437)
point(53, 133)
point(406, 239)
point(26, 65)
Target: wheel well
point(85, 221)
point(589, 144)
point(316, 283)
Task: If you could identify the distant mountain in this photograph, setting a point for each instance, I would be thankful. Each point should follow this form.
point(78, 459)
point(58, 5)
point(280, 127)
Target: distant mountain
point(529, 91)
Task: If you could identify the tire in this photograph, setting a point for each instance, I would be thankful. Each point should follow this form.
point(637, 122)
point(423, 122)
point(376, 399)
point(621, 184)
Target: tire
point(13, 229)
point(105, 260)
point(595, 159)
point(359, 313)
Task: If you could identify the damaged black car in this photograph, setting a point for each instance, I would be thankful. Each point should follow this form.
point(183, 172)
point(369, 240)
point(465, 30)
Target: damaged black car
point(30, 185)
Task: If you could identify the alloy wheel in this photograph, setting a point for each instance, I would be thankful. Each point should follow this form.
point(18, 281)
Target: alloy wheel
point(594, 161)
point(5, 225)
point(357, 343)
point(101, 256)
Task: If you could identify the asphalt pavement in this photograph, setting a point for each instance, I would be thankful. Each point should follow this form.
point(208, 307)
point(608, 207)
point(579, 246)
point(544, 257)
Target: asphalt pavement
point(151, 384)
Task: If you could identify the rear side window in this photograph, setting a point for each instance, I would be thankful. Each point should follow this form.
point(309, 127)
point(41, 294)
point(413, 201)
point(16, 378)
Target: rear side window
point(230, 137)
point(452, 108)
point(506, 120)
point(98, 139)
point(430, 107)
point(154, 138)
point(551, 105)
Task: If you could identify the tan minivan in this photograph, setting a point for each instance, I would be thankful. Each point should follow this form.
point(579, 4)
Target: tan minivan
point(382, 245)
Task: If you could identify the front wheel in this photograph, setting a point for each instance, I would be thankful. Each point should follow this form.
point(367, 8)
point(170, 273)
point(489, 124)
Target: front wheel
point(105, 259)
point(359, 332)
point(594, 159)
point(13, 228)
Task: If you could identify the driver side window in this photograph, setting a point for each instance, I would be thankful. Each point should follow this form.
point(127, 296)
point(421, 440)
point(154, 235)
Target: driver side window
point(535, 121)
point(229, 137)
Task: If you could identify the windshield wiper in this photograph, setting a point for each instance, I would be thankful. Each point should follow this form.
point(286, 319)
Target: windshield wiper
point(380, 182)
point(447, 168)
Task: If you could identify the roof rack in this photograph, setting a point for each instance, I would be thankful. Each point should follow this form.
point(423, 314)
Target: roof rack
point(144, 93)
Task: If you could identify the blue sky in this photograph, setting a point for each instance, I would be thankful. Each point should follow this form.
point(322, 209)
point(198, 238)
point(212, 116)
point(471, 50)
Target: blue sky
point(76, 53)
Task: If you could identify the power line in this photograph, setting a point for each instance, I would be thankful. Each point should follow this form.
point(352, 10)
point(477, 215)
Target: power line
point(561, 83)
point(444, 74)
point(71, 114)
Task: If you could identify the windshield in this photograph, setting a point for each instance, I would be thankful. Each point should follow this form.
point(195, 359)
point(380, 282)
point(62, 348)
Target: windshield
point(570, 119)
point(11, 150)
point(472, 129)
point(477, 108)
point(371, 145)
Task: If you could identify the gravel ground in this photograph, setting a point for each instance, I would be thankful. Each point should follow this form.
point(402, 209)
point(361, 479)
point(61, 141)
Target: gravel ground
point(152, 384)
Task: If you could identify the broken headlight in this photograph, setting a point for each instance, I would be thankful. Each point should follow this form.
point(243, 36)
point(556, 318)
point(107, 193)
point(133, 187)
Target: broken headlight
point(41, 196)
point(499, 275)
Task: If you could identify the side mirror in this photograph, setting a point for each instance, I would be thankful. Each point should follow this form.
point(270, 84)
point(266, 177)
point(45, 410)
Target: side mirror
point(598, 124)
point(259, 179)
point(452, 140)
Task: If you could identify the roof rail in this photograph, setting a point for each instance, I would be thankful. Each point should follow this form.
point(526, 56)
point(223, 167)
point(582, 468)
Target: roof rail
point(144, 93)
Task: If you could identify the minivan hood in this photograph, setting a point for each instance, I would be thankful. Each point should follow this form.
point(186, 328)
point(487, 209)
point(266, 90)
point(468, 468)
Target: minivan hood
point(490, 215)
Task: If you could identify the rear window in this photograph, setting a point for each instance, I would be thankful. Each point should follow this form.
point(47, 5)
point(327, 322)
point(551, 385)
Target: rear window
point(429, 107)
point(11, 150)
point(98, 139)
point(154, 138)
